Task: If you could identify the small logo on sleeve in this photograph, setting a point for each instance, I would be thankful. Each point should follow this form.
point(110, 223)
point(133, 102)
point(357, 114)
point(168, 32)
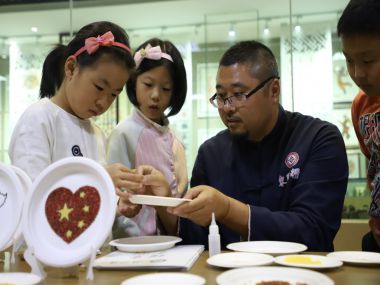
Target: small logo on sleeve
point(76, 150)
point(292, 159)
point(294, 173)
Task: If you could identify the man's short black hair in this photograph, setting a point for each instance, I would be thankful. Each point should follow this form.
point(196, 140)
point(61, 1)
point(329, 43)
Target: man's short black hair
point(252, 53)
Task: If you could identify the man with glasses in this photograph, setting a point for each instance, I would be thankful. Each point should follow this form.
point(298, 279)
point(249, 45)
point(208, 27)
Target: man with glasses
point(272, 174)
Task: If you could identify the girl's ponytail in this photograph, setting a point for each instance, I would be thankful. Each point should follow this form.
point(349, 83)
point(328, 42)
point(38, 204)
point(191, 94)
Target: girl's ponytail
point(52, 72)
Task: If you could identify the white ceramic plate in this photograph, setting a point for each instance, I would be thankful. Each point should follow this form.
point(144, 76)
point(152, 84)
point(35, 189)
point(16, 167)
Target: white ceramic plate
point(19, 278)
point(11, 202)
point(254, 275)
point(169, 278)
point(356, 257)
point(308, 261)
point(268, 247)
point(145, 243)
point(239, 259)
point(157, 200)
point(73, 212)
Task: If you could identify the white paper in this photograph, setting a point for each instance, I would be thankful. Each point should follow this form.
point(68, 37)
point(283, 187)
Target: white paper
point(179, 257)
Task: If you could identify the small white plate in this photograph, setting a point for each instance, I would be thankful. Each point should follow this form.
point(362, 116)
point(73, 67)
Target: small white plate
point(169, 278)
point(19, 278)
point(157, 200)
point(11, 202)
point(268, 247)
point(254, 275)
point(356, 257)
point(145, 243)
point(87, 184)
point(239, 259)
point(308, 261)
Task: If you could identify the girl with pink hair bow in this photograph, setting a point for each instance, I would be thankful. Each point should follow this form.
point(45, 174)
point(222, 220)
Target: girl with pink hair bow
point(80, 81)
point(158, 90)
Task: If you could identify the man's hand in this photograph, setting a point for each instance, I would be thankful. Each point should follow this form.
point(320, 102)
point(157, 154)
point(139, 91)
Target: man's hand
point(205, 200)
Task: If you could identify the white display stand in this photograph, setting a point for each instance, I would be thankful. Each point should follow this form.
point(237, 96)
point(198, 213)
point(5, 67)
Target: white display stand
point(38, 268)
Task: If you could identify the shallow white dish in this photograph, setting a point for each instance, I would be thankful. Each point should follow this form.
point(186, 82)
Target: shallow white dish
point(157, 200)
point(169, 278)
point(268, 247)
point(308, 261)
point(356, 257)
point(145, 243)
point(19, 278)
point(254, 275)
point(89, 226)
point(239, 259)
point(11, 202)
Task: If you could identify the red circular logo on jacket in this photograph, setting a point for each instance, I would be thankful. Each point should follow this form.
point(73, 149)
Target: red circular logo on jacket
point(292, 159)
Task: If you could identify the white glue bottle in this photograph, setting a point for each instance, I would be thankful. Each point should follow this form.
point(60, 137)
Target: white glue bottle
point(213, 238)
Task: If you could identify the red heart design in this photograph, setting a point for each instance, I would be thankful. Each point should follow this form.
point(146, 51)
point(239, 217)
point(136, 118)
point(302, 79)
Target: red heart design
point(70, 214)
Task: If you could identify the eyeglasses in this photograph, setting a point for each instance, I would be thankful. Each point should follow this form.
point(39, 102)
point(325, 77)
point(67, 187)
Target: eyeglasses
point(219, 102)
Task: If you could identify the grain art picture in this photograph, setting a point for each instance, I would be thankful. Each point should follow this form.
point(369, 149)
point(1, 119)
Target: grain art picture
point(71, 213)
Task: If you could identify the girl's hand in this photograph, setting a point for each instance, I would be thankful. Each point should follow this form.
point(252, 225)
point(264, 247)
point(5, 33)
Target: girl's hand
point(127, 208)
point(154, 182)
point(125, 180)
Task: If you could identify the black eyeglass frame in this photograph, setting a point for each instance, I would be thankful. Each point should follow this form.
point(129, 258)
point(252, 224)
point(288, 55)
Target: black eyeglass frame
point(213, 99)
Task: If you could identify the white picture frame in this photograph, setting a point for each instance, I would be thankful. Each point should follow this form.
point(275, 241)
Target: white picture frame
point(344, 88)
point(354, 167)
point(342, 119)
point(205, 86)
point(205, 134)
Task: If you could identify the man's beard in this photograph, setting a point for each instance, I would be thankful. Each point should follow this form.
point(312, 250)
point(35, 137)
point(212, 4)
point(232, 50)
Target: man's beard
point(239, 136)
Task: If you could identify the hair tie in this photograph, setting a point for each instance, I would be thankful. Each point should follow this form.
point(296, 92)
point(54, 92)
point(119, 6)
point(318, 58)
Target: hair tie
point(150, 52)
point(92, 44)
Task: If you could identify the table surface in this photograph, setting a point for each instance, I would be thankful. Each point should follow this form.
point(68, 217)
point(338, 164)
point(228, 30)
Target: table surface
point(345, 275)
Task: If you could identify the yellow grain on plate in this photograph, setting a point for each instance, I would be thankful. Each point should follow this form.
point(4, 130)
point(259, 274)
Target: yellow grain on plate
point(299, 259)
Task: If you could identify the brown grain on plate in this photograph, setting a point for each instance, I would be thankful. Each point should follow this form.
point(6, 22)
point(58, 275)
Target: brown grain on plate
point(273, 283)
point(277, 283)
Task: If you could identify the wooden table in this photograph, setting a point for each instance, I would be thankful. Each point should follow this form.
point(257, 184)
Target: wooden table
point(345, 275)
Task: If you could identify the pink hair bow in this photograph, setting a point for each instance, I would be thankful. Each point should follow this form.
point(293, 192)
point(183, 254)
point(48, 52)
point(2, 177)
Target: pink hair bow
point(150, 52)
point(92, 44)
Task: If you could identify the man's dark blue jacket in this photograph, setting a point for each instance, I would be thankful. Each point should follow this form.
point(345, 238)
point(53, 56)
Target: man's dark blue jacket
point(294, 181)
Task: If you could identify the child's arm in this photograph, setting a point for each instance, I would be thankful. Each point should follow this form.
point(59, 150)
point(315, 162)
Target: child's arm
point(124, 178)
point(125, 181)
point(32, 142)
point(155, 183)
point(180, 168)
point(126, 208)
